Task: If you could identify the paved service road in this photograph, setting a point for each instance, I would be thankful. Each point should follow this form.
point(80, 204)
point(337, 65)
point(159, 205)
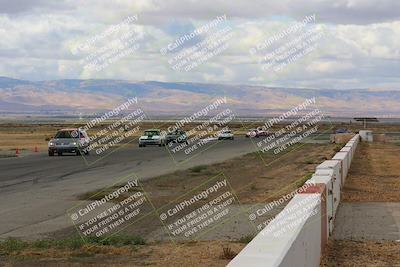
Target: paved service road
point(37, 190)
point(368, 221)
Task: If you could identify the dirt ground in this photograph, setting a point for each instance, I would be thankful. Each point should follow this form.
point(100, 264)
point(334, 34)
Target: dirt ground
point(157, 255)
point(254, 179)
point(348, 253)
point(374, 177)
point(374, 174)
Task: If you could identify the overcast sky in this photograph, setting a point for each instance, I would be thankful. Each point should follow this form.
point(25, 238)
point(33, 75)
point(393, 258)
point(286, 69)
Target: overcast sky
point(359, 48)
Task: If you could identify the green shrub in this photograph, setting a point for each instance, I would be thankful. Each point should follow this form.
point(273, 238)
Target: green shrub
point(73, 243)
point(12, 244)
point(198, 168)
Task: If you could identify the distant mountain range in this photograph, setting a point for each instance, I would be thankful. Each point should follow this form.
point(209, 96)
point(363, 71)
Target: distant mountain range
point(160, 98)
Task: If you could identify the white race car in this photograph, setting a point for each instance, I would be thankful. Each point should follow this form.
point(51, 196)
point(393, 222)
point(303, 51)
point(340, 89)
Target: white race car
point(152, 137)
point(225, 134)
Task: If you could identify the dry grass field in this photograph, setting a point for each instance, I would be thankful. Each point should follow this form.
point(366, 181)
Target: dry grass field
point(26, 136)
point(252, 180)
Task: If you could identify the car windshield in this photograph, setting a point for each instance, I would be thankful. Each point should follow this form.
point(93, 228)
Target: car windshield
point(64, 134)
point(151, 133)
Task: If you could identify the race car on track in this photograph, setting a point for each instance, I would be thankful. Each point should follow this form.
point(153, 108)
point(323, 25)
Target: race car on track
point(225, 134)
point(152, 137)
point(74, 140)
point(257, 133)
point(177, 136)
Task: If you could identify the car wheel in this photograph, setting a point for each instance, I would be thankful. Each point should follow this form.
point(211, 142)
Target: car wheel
point(59, 153)
point(51, 153)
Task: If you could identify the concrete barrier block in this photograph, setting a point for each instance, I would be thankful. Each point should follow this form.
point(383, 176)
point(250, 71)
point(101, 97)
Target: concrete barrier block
point(331, 165)
point(336, 167)
point(327, 180)
point(344, 158)
point(356, 138)
point(321, 189)
point(335, 189)
point(353, 146)
point(349, 151)
point(298, 245)
point(293, 239)
point(325, 172)
point(366, 136)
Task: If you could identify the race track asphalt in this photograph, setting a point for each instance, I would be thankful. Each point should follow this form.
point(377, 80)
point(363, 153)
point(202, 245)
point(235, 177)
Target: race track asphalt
point(37, 190)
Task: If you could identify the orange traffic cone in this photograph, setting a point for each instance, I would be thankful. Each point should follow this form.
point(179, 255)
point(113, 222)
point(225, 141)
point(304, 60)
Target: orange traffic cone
point(36, 149)
point(17, 152)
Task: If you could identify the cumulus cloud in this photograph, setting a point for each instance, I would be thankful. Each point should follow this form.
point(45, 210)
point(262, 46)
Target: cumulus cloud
point(338, 11)
point(360, 47)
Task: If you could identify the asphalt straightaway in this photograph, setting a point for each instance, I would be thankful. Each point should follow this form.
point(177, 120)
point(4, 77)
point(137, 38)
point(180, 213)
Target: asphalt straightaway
point(36, 191)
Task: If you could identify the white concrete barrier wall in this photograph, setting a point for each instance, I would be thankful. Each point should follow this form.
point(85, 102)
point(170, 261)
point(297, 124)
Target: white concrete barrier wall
point(306, 247)
point(349, 151)
point(344, 159)
point(297, 240)
point(353, 146)
point(299, 245)
point(327, 180)
point(366, 136)
point(356, 139)
point(333, 196)
point(334, 166)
